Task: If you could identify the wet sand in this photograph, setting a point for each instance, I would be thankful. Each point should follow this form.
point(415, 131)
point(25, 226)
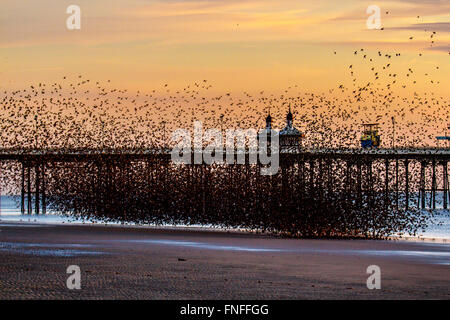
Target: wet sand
point(151, 263)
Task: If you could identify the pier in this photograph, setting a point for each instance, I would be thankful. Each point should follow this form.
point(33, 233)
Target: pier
point(311, 165)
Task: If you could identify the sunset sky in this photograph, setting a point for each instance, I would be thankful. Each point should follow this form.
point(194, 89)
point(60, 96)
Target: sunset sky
point(236, 44)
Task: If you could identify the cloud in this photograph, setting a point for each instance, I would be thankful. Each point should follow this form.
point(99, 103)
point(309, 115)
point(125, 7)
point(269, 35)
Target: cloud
point(398, 9)
point(440, 48)
point(433, 2)
point(435, 26)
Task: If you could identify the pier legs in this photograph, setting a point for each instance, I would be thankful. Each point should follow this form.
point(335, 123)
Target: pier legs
point(320, 180)
point(422, 185)
point(44, 199)
point(445, 181)
point(396, 184)
point(347, 177)
point(39, 192)
point(311, 176)
point(202, 183)
point(407, 184)
point(29, 205)
point(22, 191)
point(303, 175)
point(310, 173)
point(433, 185)
point(37, 182)
point(386, 182)
point(359, 183)
point(371, 186)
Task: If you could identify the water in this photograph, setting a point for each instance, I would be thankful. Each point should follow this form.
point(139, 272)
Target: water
point(10, 212)
point(201, 245)
point(45, 249)
point(428, 252)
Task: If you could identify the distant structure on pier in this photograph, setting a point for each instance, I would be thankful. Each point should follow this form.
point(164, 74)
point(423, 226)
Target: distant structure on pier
point(370, 138)
point(290, 137)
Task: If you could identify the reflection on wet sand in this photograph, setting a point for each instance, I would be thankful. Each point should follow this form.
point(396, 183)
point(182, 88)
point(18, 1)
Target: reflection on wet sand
point(428, 254)
point(46, 249)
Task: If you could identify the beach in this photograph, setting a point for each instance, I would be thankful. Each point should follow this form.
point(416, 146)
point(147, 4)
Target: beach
point(127, 262)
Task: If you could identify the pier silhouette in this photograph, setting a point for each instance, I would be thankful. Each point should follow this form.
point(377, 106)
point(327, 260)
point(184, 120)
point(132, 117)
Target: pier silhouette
point(145, 186)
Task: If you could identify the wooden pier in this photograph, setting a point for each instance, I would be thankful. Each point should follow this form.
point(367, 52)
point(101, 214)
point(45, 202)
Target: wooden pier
point(35, 165)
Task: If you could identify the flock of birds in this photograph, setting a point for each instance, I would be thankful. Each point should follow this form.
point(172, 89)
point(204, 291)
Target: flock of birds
point(313, 199)
point(87, 114)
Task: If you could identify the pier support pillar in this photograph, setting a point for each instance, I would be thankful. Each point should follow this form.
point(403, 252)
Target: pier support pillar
point(22, 191)
point(320, 179)
point(302, 177)
point(396, 184)
point(386, 182)
point(371, 188)
point(37, 182)
point(311, 176)
point(433, 185)
point(29, 204)
point(446, 186)
point(359, 183)
point(348, 168)
point(203, 186)
point(422, 184)
point(330, 176)
point(407, 184)
point(44, 199)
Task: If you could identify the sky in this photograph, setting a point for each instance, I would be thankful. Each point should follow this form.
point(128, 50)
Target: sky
point(225, 61)
point(236, 44)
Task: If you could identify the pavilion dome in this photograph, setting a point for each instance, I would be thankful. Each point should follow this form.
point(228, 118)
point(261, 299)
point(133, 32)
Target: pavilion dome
point(290, 137)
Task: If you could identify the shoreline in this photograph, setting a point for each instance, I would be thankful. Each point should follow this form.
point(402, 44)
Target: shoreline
point(197, 228)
